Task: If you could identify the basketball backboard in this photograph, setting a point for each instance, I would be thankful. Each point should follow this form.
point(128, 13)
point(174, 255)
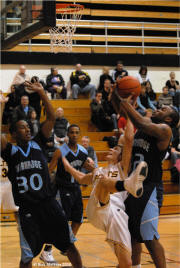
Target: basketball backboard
point(23, 19)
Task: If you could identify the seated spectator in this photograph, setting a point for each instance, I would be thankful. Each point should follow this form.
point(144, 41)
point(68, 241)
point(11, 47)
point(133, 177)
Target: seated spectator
point(172, 84)
point(119, 71)
point(55, 85)
point(60, 127)
point(150, 92)
point(34, 123)
point(142, 76)
point(99, 117)
point(85, 141)
point(104, 77)
point(34, 99)
point(13, 102)
point(80, 83)
point(143, 101)
point(175, 155)
point(106, 89)
point(21, 76)
point(165, 98)
point(22, 111)
point(122, 122)
point(106, 102)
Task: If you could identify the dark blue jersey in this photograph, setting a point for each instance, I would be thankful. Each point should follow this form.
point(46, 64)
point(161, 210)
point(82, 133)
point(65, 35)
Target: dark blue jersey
point(145, 149)
point(76, 160)
point(28, 173)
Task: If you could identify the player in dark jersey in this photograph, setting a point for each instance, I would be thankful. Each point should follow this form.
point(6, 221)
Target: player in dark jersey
point(151, 142)
point(68, 189)
point(41, 219)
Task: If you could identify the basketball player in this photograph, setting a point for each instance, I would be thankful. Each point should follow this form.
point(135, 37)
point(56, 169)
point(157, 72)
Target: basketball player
point(41, 219)
point(68, 189)
point(151, 142)
point(107, 211)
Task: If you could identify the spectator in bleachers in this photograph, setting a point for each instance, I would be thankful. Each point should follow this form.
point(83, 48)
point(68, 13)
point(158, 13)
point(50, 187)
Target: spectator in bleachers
point(142, 76)
point(122, 122)
point(21, 76)
point(60, 127)
point(80, 83)
point(22, 111)
point(150, 92)
point(85, 141)
point(106, 102)
point(119, 71)
point(99, 117)
point(34, 123)
point(34, 99)
point(165, 98)
point(55, 85)
point(143, 101)
point(13, 102)
point(172, 84)
point(104, 77)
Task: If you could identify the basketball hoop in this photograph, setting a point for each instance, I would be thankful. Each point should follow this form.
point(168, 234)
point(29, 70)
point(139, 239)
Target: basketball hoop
point(61, 35)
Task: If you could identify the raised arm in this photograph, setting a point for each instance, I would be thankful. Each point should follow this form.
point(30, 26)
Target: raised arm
point(160, 131)
point(3, 100)
point(48, 124)
point(127, 146)
point(79, 176)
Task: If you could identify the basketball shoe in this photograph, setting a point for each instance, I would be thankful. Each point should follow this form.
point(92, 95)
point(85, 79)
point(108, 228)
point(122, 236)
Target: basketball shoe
point(47, 257)
point(134, 183)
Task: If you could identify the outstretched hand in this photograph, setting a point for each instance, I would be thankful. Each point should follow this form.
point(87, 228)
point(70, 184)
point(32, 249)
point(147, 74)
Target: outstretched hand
point(36, 87)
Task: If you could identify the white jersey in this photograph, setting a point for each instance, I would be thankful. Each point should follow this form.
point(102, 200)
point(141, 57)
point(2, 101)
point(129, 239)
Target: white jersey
point(111, 218)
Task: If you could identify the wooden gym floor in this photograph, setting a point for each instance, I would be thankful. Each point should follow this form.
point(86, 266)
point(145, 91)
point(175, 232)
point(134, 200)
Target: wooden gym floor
point(95, 252)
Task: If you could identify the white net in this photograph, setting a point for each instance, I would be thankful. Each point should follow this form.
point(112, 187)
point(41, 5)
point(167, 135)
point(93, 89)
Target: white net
point(61, 36)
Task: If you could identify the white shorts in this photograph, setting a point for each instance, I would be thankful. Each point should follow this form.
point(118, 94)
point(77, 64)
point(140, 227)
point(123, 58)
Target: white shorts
point(6, 197)
point(112, 220)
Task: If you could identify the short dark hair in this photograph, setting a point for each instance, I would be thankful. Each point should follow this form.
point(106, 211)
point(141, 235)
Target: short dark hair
point(174, 116)
point(34, 79)
point(73, 125)
point(119, 62)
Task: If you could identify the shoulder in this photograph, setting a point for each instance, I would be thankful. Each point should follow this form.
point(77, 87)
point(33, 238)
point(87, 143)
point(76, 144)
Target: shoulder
point(81, 148)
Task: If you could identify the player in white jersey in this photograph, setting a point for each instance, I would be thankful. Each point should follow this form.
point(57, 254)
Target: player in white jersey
point(107, 211)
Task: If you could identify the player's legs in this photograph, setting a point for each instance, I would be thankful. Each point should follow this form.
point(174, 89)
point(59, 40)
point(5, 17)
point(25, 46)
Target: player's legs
point(76, 210)
point(123, 256)
point(25, 265)
point(74, 256)
point(136, 252)
point(75, 227)
point(157, 253)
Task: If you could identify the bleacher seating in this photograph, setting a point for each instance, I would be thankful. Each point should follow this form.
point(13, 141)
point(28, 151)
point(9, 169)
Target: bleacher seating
point(142, 27)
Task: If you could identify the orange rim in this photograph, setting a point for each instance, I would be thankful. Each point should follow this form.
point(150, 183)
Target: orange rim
point(67, 8)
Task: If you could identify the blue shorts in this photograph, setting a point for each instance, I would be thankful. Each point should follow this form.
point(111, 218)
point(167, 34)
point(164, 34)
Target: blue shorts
point(143, 213)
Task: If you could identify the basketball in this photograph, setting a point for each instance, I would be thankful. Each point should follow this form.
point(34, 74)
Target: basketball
point(128, 85)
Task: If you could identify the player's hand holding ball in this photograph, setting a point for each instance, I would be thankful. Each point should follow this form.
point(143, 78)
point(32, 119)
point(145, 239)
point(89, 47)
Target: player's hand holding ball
point(126, 89)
